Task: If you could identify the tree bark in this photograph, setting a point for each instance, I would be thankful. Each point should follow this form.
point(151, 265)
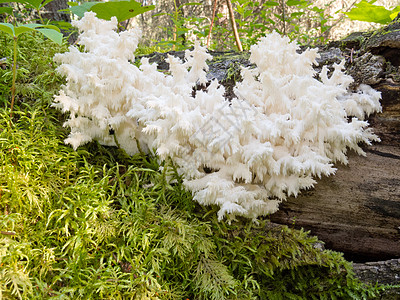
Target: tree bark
point(52, 11)
point(383, 272)
point(356, 211)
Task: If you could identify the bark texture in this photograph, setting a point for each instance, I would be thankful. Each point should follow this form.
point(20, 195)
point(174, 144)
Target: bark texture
point(384, 272)
point(52, 11)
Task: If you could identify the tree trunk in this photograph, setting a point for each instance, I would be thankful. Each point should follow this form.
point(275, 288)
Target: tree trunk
point(52, 11)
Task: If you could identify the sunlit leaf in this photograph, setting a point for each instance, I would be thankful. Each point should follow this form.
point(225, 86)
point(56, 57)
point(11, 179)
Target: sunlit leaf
point(70, 3)
point(367, 12)
point(7, 28)
point(296, 2)
point(122, 10)
point(270, 3)
point(296, 14)
point(161, 14)
point(395, 12)
point(6, 10)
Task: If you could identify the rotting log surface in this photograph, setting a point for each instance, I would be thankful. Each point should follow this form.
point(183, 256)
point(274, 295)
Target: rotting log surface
point(356, 211)
point(383, 272)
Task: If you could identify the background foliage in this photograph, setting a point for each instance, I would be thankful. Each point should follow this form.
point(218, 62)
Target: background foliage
point(310, 22)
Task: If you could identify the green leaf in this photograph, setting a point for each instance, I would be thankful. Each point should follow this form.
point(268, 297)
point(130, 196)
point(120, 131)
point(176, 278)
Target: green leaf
point(37, 4)
point(35, 25)
point(296, 2)
point(63, 25)
point(80, 10)
point(50, 31)
point(271, 3)
point(367, 12)
point(161, 14)
point(122, 10)
point(317, 9)
point(296, 14)
point(394, 15)
point(6, 10)
point(52, 34)
point(395, 12)
point(22, 29)
point(7, 28)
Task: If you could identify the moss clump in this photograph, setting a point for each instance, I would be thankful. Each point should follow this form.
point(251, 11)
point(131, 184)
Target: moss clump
point(98, 224)
point(37, 80)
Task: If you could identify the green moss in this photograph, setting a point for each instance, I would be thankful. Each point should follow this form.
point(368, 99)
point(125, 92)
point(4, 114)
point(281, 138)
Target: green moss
point(37, 79)
point(105, 225)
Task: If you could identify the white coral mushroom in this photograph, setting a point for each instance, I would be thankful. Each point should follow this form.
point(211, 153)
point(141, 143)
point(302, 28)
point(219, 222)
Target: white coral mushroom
point(284, 128)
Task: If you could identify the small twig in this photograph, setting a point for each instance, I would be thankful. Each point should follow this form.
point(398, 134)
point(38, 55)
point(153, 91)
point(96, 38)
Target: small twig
point(283, 17)
point(351, 55)
point(8, 232)
point(14, 72)
point(234, 28)
point(212, 24)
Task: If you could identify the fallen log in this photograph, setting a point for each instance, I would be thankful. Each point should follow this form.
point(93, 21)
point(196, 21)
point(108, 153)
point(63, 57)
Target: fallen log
point(382, 272)
point(356, 211)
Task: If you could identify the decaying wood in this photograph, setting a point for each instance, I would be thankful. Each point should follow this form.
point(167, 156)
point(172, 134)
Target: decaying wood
point(383, 272)
point(356, 211)
point(388, 271)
